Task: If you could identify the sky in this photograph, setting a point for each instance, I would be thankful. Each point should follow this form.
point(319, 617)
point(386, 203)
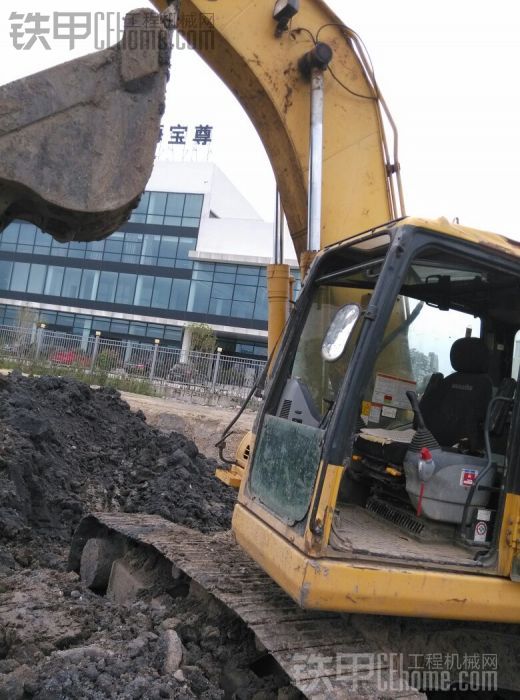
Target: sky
point(448, 71)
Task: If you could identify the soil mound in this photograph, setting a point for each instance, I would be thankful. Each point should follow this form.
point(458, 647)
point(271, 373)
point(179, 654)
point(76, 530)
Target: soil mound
point(67, 449)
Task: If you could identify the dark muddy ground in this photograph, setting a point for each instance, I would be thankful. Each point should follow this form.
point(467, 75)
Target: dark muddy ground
point(66, 449)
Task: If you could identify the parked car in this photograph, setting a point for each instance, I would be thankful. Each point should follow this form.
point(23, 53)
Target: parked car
point(185, 374)
point(69, 358)
point(143, 367)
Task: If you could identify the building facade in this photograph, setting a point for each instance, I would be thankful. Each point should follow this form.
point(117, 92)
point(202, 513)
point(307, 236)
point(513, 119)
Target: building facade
point(193, 251)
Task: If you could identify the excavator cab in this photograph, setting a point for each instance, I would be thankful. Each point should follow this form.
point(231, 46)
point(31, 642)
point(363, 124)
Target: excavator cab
point(385, 444)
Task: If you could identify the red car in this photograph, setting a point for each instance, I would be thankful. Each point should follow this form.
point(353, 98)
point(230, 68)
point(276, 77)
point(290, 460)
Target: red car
point(70, 357)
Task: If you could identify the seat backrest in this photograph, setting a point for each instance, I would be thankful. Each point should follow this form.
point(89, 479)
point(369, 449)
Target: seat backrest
point(456, 407)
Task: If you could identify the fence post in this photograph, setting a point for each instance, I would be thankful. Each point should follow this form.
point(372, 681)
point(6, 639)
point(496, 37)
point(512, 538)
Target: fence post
point(215, 369)
point(154, 358)
point(186, 345)
point(95, 351)
point(39, 338)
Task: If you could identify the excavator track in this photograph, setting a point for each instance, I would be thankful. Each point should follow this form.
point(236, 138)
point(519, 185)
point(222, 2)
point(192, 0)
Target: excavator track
point(323, 654)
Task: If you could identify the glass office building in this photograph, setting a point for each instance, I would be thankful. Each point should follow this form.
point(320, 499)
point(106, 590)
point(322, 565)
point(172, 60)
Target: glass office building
point(143, 282)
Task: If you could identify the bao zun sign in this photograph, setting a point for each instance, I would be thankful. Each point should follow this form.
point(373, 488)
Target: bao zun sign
point(177, 135)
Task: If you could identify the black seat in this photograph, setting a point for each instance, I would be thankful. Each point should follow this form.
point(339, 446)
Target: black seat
point(455, 408)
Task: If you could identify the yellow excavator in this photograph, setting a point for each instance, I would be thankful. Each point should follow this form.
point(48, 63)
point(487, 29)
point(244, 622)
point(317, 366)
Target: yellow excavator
point(375, 548)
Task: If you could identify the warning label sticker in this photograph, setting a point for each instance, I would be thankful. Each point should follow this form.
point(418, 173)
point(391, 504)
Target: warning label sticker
point(480, 532)
point(391, 391)
point(468, 476)
point(375, 413)
point(388, 412)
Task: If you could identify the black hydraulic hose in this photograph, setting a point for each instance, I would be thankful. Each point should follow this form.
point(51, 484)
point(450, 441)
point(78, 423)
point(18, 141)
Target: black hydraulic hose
point(257, 386)
point(489, 455)
point(227, 432)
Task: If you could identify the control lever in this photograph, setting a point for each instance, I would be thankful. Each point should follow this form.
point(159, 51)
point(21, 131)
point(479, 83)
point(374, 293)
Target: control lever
point(418, 420)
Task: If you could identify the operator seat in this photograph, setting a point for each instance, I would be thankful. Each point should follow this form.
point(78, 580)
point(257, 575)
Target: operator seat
point(455, 408)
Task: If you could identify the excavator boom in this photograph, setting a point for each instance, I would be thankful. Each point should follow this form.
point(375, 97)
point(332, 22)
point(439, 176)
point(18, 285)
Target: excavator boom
point(360, 175)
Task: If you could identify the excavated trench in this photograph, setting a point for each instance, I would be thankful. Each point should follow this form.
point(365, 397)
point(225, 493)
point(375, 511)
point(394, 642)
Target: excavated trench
point(65, 450)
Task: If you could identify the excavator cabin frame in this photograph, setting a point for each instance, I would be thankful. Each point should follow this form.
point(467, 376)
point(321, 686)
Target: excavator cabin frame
point(298, 554)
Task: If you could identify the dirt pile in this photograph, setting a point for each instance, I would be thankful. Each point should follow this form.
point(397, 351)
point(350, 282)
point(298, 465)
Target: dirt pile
point(67, 449)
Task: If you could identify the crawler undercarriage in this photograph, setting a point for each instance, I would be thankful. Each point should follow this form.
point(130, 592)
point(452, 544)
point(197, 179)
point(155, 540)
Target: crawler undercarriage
point(325, 655)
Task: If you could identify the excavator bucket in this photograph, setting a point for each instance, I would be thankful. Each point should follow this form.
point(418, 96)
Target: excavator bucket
point(77, 142)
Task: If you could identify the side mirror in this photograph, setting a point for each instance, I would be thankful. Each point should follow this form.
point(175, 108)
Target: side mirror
point(339, 331)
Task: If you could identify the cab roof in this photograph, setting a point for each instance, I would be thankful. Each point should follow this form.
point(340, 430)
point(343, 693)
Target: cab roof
point(442, 226)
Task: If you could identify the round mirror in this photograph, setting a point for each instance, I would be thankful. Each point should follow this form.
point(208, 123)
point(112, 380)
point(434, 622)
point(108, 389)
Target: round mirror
point(339, 331)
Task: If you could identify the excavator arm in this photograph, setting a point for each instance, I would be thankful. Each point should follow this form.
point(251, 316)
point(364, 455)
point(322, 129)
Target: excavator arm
point(261, 70)
point(77, 142)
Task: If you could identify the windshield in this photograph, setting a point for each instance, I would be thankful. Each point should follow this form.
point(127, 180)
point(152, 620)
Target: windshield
point(320, 376)
point(438, 304)
point(416, 345)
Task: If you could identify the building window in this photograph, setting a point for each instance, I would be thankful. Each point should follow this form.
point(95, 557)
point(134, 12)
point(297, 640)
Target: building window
point(71, 282)
point(179, 295)
point(60, 249)
point(154, 330)
point(185, 245)
point(193, 205)
point(114, 247)
point(89, 284)
point(54, 280)
point(77, 250)
point(243, 293)
point(121, 246)
point(200, 293)
point(168, 251)
point(20, 276)
point(107, 286)
point(143, 290)
point(120, 327)
point(220, 307)
point(161, 292)
point(132, 248)
point(260, 312)
point(150, 252)
point(222, 291)
point(95, 250)
point(36, 279)
point(9, 237)
point(157, 205)
point(42, 243)
point(5, 274)
point(27, 234)
point(242, 309)
point(125, 289)
point(137, 328)
point(175, 205)
point(169, 209)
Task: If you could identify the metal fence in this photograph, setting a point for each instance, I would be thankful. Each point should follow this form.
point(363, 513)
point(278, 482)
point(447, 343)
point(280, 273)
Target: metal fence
point(168, 370)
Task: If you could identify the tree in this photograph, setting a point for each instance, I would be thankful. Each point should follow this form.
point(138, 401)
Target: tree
point(422, 367)
point(26, 317)
point(203, 338)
